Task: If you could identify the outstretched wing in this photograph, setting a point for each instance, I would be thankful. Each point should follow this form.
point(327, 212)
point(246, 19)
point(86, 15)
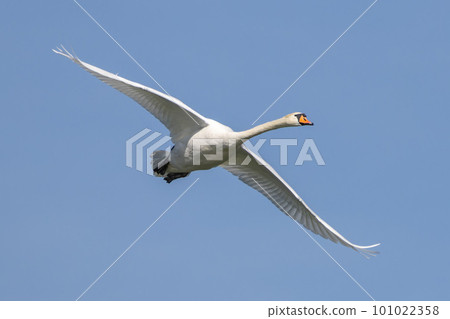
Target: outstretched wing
point(259, 175)
point(179, 118)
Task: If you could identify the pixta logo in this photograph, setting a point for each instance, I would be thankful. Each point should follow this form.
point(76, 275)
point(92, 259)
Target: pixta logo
point(141, 147)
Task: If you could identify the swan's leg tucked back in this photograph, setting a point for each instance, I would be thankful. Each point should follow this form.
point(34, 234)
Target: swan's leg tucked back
point(161, 161)
point(171, 176)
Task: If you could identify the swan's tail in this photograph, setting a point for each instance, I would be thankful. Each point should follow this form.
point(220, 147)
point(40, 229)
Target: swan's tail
point(160, 161)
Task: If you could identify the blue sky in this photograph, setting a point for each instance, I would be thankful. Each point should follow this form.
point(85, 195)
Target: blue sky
point(379, 100)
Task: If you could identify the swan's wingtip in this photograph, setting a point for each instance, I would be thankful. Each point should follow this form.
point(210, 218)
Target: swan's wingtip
point(371, 246)
point(366, 250)
point(64, 52)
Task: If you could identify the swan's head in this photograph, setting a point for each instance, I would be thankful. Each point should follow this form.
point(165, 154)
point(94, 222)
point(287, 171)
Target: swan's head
point(297, 119)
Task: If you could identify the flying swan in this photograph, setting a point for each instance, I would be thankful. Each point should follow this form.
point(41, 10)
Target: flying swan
point(187, 126)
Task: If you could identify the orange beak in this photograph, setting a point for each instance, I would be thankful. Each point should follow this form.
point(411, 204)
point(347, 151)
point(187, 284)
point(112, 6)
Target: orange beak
point(304, 121)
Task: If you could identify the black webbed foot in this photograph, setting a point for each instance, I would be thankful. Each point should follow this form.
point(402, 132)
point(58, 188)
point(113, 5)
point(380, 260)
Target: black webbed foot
point(170, 177)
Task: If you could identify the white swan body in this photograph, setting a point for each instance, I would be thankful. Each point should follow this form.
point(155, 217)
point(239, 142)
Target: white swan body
point(182, 155)
point(186, 126)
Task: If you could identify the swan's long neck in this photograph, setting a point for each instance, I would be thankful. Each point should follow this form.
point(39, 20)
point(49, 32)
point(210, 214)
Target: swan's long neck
point(272, 125)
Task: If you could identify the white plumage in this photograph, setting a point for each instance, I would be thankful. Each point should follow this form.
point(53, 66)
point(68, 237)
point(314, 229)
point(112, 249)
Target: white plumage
point(186, 125)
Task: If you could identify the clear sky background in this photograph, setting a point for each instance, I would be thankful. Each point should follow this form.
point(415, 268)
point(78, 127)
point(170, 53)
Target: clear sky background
point(379, 99)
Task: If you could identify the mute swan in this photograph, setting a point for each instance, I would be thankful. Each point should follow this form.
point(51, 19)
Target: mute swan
point(186, 126)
